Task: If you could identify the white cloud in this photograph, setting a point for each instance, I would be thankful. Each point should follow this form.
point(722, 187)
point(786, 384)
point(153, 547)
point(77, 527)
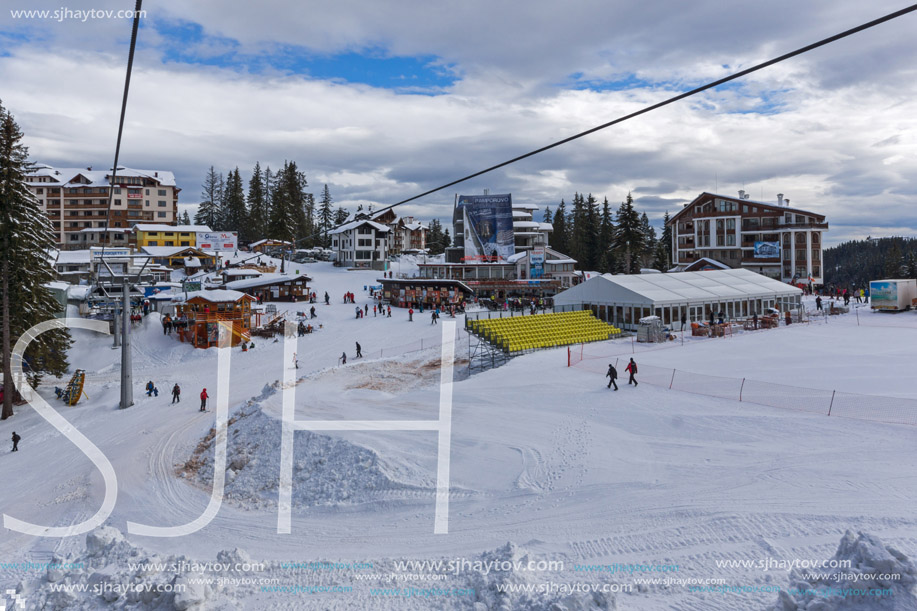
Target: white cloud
point(835, 130)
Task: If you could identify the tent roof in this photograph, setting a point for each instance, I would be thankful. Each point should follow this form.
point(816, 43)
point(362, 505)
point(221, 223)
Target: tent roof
point(675, 288)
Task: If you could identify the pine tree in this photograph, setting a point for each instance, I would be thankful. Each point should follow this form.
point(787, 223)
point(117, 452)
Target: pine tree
point(559, 235)
point(25, 239)
point(325, 216)
point(257, 205)
point(606, 239)
point(894, 261)
point(235, 216)
point(648, 253)
point(186, 218)
point(666, 239)
point(435, 239)
point(591, 231)
point(340, 216)
point(289, 218)
point(208, 210)
point(547, 215)
point(447, 239)
point(629, 237)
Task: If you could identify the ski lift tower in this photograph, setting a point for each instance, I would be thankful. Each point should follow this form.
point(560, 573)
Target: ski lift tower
point(115, 272)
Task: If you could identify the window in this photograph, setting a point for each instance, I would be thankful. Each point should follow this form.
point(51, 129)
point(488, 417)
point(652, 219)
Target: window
point(730, 239)
point(146, 202)
point(117, 202)
point(161, 215)
point(147, 191)
point(364, 254)
point(731, 224)
point(119, 236)
point(118, 191)
point(39, 190)
point(152, 243)
point(73, 202)
point(720, 241)
point(364, 242)
point(161, 204)
point(719, 225)
point(168, 243)
point(184, 243)
point(162, 193)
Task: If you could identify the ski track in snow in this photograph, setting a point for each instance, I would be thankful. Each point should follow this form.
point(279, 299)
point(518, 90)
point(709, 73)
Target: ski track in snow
point(543, 456)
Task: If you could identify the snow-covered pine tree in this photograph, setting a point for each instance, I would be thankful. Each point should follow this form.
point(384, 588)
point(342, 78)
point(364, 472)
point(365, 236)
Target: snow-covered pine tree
point(325, 216)
point(257, 204)
point(235, 216)
point(208, 210)
point(26, 239)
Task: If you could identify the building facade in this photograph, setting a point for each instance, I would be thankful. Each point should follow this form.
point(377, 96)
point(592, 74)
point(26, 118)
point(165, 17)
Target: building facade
point(361, 243)
point(772, 239)
point(76, 199)
point(159, 234)
point(408, 234)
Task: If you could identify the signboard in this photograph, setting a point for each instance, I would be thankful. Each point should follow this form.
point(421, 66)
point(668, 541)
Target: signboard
point(488, 225)
point(134, 195)
point(97, 252)
point(767, 250)
point(218, 240)
point(536, 263)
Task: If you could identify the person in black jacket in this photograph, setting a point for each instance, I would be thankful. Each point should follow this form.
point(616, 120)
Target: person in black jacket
point(176, 394)
point(359, 350)
point(16, 439)
point(612, 375)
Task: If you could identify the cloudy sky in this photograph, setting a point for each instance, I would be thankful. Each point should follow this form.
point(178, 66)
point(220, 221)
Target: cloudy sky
point(384, 100)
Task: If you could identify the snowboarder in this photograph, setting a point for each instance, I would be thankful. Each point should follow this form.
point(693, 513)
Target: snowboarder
point(204, 397)
point(343, 358)
point(149, 388)
point(612, 375)
point(359, 350)
point(176, 394)
point(632, 369)
point(410, 314)
point(16, 439)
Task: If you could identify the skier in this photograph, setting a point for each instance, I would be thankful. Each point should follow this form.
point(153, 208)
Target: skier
point(327, 298)
point(389, 312)
point(312, 312)
point(359, 350)
point(343, 358)
point(366, 311)
point(176, 393)
point(374, 310)
point(612, 375)
point(632, 369)
point(16, 439)
point(358, 311)
point(204, 397)
point(432, 318)
point(866, 295)
point(410, 314)
point(295, 361)
point(149, 388)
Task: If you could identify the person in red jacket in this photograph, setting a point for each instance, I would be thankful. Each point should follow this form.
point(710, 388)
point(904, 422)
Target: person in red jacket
point(204, 398)
point(632, 370)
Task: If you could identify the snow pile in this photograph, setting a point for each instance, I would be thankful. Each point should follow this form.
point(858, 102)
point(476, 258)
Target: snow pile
point(326, 470)
point(491, 586)
point(114, 574)
point(878, 577)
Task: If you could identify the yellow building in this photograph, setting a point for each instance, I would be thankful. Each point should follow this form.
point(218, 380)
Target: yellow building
point(168, 235)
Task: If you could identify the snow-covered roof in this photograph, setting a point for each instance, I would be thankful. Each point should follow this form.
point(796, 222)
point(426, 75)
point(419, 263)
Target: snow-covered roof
point(213, 296)
point(526, 206)
point(265, 241)
point(73, 257)
point(515, 257)
point(192, 262)
point(416, 226)
point(559, 261)
point(150, 227)
point(264, 280)
point(677, 288)
point(241, 272)
point(354, 224)
point(167, 251)
point(106, 230)
point(100, 178)
point(57, 285)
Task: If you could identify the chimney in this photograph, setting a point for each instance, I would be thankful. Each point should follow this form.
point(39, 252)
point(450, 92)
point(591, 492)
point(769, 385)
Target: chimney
point(741, 193)
point(780, 199)
point(156, 174)
point(787, 201)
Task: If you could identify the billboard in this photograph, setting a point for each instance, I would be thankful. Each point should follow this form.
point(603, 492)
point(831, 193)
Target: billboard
point(767, 250)
point(218, 240)
point(536, 263)
point(488, 226)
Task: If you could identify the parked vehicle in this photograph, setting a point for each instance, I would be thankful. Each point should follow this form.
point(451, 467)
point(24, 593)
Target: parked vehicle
point(892, 295)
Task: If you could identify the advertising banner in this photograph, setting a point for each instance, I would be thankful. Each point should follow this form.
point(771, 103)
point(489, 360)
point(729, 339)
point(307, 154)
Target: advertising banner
point(218, 240)
point(536, 263)
point(488, 226)
point(767, 250)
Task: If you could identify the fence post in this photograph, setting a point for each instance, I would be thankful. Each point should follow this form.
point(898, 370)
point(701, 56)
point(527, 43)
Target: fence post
point(857, 310)
point(830, 405)
point(741, 388)
point(568, 356)
point(633, 346)
point(672, 381)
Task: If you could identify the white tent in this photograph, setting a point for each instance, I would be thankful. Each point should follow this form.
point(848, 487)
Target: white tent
point(622, 300)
